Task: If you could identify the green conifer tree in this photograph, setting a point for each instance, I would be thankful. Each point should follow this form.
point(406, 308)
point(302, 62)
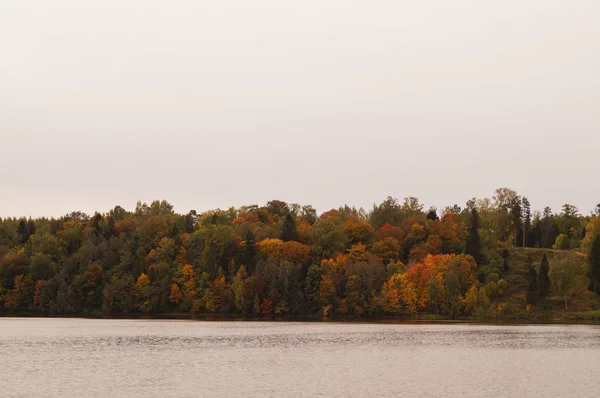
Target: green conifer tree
point(532, 279)
point(594, 265)
point(288, 231)
point(473, 241)
point(543, 278)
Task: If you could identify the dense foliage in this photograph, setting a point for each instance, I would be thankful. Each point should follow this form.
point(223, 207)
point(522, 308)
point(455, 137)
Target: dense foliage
point(284, 259)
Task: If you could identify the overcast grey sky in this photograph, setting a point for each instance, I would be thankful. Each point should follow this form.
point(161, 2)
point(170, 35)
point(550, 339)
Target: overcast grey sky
point(215, 103)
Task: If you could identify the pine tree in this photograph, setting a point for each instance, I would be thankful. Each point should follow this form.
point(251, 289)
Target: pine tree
point(30, 227)
point(22, 231)
point(249, 252)
point(95, 221)
point(532, 278)
point(526, 209)
point(191, 221)
point(543, 279)
point(473, 241)
point(288, 231)
point(594, 265)
point(515, 216)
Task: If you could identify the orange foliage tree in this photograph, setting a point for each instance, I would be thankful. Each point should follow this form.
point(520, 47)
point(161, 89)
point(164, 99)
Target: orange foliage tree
point(428, 281)
point(451, 231)
point(176, 295)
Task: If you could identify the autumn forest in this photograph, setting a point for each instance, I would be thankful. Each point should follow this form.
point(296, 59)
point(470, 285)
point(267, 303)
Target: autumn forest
point(489, 258)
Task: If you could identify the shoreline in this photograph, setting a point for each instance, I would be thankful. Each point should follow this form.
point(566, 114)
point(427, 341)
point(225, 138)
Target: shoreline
point(340, 320)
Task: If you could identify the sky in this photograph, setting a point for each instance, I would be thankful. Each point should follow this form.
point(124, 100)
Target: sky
point(211, 104)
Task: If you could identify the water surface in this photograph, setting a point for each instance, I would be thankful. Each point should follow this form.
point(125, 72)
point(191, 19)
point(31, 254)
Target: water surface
point(151, 358)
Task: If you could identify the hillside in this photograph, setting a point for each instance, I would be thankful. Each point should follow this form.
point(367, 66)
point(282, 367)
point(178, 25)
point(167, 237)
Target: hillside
point(581, 303)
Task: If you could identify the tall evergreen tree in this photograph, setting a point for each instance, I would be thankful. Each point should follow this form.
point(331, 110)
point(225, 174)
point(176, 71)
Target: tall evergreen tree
point(543, 278)
point(532, 279)
point(526, 209)
point(249, 251)
point(516, 218)
point(289, 231)
point(22, 231)
point(473, 240)
point(191, 221)
point(594, 265)
point(95, 221)
point(536, 233)
point(30, 227)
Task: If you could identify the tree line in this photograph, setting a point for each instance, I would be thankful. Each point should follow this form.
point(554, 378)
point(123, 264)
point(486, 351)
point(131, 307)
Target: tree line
point(285, 259)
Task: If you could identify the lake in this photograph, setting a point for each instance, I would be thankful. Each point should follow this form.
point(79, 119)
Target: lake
point(153, 358)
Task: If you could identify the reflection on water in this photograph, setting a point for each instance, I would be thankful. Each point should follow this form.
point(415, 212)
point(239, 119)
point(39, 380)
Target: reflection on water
point(139, 358)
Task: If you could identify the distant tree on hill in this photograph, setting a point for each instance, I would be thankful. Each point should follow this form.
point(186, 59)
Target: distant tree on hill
point(532, 279)
point(543, 278)
point(594, 265)
point(526, 209)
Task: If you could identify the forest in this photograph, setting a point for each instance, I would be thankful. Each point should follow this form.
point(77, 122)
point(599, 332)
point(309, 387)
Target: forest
point(491, 258)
